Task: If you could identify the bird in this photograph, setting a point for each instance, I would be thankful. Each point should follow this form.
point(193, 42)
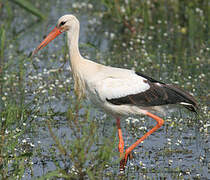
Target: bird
point(119, 92)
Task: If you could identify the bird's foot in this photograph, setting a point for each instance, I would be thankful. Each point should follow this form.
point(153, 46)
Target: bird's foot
point(124, 161)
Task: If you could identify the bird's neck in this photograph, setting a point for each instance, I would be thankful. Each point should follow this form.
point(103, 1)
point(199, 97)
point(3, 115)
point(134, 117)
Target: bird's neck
point(76, 60)
point(73, 43)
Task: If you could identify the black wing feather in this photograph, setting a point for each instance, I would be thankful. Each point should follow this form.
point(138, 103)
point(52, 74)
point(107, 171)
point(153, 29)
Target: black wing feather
point(158, 94)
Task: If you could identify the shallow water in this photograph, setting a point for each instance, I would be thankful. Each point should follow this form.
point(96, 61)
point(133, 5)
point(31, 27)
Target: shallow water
point(179, 149)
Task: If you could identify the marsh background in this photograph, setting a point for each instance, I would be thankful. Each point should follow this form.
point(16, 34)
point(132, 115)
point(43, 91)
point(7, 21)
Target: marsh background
point(46, 133)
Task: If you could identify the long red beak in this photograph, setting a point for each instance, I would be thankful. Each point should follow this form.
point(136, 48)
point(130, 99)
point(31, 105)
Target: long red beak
point(52, 35)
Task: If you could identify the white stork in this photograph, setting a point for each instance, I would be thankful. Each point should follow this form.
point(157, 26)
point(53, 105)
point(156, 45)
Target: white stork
point(118, 91)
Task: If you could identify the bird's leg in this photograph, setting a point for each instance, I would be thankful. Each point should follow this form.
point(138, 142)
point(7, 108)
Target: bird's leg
point(160, 122)
point(121, 144)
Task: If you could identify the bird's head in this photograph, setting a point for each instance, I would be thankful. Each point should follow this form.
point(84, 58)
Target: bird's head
point(65, 23)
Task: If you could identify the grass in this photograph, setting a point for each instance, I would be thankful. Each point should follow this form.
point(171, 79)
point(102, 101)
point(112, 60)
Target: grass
point(29, 6)
point(15, 151)
point(44, 127)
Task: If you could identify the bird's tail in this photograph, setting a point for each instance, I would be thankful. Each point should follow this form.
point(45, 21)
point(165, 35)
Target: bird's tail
point(185, 99)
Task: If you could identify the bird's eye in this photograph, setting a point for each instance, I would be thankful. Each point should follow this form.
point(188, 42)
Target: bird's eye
point(62, 23)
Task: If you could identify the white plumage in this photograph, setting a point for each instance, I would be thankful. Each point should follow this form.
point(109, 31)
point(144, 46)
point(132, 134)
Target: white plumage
point(106, 82)
point(116, 85)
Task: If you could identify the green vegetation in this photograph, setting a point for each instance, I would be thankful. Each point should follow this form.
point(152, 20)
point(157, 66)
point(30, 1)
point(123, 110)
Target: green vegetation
point(46, 133)
point(28, 6)
point(15, 151)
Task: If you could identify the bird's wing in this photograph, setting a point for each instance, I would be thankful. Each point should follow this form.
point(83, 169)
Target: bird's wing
point(141, 90)
point(115, 87)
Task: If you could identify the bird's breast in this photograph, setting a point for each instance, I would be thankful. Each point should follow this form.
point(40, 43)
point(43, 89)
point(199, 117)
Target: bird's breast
point(92, 94)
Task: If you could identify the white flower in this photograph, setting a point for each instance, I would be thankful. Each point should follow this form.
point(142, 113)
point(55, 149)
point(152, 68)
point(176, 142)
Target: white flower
point(32, 145)
point(90, 6)
point(122, 9)
point(112, 35)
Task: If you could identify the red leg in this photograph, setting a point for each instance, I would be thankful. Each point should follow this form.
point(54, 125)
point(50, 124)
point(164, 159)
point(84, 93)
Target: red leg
point(121, 144)
point(158, 125)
